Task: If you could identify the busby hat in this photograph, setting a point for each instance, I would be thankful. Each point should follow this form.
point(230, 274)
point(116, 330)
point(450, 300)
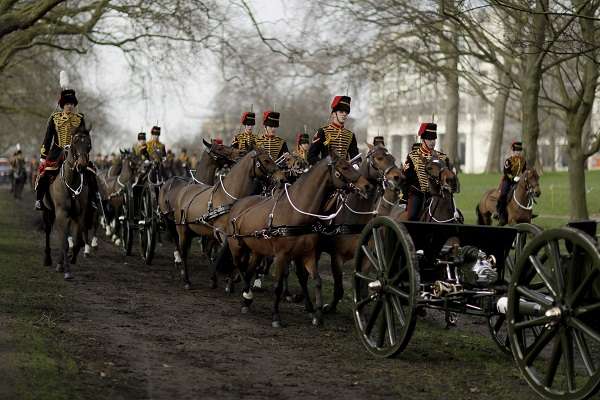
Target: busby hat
point(516, 146)
point(302, 138)
point(341, 103)
point(271, 118)
point(67, 94)
point(378, 141)
point(248, 119)
point(155, 130)
point(142, 136)
point(428, 130)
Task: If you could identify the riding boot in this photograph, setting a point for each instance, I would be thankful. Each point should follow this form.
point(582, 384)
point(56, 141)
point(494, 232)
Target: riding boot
point(40, 191)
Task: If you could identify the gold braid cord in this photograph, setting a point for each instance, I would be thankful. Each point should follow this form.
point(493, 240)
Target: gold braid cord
point(65, 124)
point(338, 139)
point(245, 140)
point(272, 144)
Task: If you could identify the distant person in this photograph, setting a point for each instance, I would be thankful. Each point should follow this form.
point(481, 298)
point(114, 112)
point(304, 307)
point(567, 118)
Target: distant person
point(378, 141)
point(417, 181)
point(140, 149)
point(273, 144)
point(246, 140)
point(154, 145)
point(302, 145)
point(334, 136)
point(514, 166)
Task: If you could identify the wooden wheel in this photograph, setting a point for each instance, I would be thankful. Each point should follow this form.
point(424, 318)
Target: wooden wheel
point(386, 286)
point(148, 226)
point(497, 321)
point(556, 290)
point(125, 225)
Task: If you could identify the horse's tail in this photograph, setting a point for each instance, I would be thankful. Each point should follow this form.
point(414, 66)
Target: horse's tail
point(480, 220)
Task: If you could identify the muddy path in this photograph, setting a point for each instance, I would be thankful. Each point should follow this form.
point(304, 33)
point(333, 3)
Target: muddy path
point(135, 327)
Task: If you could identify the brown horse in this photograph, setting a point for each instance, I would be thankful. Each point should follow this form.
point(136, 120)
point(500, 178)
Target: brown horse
point(67, 201)
point(520, 204)
point(19, 173)
point(379, 168)
point(215, 156)
point(203, 210)
point(281, 227)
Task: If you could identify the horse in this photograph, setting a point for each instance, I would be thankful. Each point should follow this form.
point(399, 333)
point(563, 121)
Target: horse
point(213, 157)
point(203, 210)
point(67, 201)
point(342, 236)
point(280, 226)
point(19, 177)
point(521, 200)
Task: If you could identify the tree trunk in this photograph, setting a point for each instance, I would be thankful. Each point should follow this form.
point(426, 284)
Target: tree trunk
point(497, 134)
point(577, 192)
point(449, 43)
point(531, 83)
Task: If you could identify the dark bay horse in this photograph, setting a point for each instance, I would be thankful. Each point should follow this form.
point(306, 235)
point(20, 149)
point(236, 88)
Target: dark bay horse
point(203, 210)
point(281, 227)
point(19, 177)
point(67, 201)
point(213, 157)
point(520, 202)
point(379, 168)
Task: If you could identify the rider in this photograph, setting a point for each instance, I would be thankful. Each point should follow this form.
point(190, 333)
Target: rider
point(514, 166)
point(414, 169)
point(378, 141)
point(58, 135)
point(334, 135)
point(154, 144)
point(140, 149)
point(302, 145)
point(246, 139)
point(273, 144)
point(183, 157)
point(14, 161)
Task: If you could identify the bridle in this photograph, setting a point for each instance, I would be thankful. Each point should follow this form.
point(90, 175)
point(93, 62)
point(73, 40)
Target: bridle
point(529, 191)
point(74, 155)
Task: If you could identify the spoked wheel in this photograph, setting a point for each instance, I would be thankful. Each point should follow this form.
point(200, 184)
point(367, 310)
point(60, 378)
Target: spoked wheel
point(556, 290)
point(125, 229)
point(386, 286)
point(497, 321)
point(148, 226)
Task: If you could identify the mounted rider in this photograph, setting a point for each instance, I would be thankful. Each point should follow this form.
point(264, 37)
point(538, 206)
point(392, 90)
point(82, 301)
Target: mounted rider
point(302, 146)
point(246, 140)
point(59, 132)
point(334, 136)
point(154, 145)
point(514, 166)
point(140, 149)
point(269, 141)
point(417, 180)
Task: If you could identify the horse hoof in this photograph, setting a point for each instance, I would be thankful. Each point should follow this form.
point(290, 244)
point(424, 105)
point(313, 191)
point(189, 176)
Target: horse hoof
point(328, 308)
point(187, 286)
point(59, 268)
point(118, 242)
point(246, 310)
point(94, 243)
point(68, 276)
point(316, 321)
point(276, 324)
point(71, 243)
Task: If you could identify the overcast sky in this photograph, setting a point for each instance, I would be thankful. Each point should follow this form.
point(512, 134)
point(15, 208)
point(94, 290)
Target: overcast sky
point(178, 107)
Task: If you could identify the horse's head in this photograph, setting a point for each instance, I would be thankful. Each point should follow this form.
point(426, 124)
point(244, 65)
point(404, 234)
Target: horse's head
point(441, 178)
point(265, 168)
point(128, 162)
point(79, 150)
point(381, 167)
point(344, 176)
point(531, 179)
point(222, 154)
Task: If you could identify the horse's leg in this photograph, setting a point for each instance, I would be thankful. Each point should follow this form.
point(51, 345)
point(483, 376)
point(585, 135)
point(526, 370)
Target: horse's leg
point(303, 281)
point(48, 221)
point(185, 243)
point(279, 263)
point(248, 274)
point(338, 282)
point(310, 263)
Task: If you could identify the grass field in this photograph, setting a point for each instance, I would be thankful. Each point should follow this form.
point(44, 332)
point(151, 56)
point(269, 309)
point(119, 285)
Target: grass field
point(552, 206)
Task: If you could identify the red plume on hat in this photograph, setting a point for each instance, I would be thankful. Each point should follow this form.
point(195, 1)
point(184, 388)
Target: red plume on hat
point(341, 103)
point(271, 118)
point(248, 119)
point(428, 130)
point(218, 141)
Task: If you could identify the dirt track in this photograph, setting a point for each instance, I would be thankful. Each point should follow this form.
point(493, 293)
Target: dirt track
point(147, 338)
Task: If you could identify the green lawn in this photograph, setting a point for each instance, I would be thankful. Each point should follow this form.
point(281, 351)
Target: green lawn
point(552, 206)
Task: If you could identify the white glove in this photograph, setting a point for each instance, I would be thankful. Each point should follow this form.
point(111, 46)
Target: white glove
point(356, 166)
point(516, 178)
point(42, 160)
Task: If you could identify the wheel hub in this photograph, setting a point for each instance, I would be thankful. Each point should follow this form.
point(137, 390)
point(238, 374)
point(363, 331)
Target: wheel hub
point(376, 286)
